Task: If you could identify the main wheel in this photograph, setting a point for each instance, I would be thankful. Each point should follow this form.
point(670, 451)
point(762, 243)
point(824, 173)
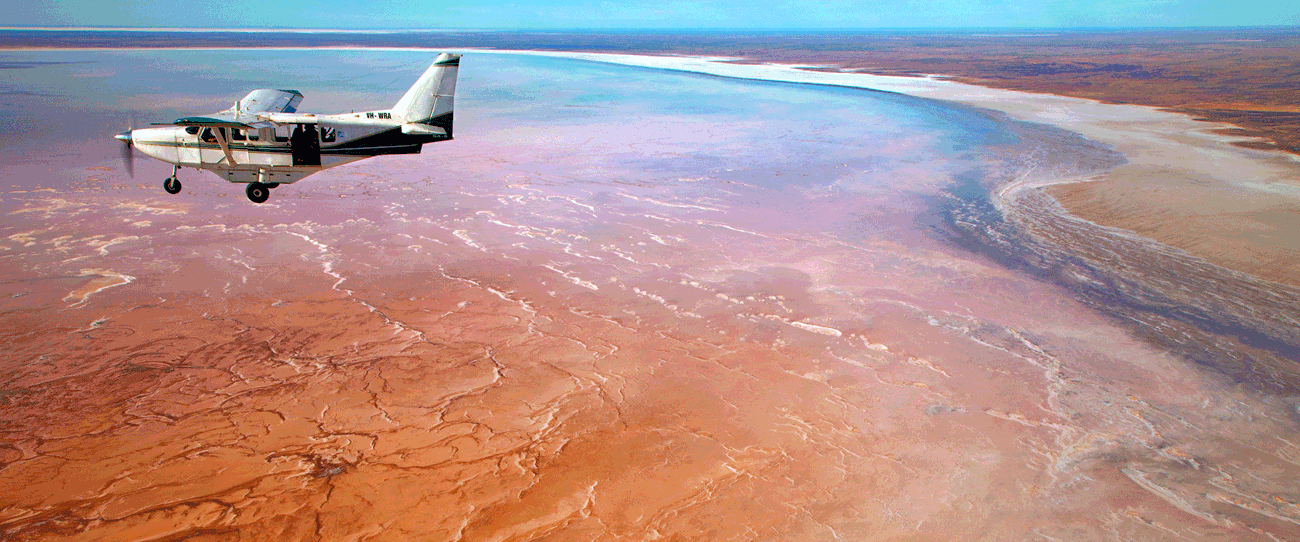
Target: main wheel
point(172, 185)
point(257, 192)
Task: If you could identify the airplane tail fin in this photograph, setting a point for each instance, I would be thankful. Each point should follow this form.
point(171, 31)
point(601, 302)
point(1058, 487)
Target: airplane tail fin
point(431, 100)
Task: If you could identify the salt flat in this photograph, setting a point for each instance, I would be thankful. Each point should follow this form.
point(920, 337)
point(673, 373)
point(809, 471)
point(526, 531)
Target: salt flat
point(622, 304)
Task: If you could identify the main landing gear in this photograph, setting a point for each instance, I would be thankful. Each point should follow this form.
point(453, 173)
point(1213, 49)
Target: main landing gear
point(173, 185)
point(258, 192)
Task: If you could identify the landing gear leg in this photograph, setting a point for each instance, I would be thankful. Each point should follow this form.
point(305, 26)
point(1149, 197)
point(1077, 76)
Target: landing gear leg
point(257, 192)
point(173, 185)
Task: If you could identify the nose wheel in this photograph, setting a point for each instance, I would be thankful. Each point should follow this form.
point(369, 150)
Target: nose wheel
point(171, 184)
point(258, 192)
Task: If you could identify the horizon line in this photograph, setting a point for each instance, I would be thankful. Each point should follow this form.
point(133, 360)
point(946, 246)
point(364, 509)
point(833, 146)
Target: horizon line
point(302, 30)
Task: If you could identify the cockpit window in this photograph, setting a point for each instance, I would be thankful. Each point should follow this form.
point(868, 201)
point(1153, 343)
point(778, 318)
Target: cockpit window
point(207, 136)
point(191, 130)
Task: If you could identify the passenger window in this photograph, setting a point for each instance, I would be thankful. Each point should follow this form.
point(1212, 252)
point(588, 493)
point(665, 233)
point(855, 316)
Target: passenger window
point(237, 135)
point(327, 135)
point(282, 134)
point(207, 136)
point(252, 136)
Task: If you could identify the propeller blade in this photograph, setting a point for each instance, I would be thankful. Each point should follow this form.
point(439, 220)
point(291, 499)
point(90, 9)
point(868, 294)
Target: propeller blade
point(128, 157)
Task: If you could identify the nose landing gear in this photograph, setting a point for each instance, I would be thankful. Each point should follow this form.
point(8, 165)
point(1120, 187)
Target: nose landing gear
point(171, 184)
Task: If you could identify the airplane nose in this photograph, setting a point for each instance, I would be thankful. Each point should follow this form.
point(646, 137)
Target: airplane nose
point(124, 136)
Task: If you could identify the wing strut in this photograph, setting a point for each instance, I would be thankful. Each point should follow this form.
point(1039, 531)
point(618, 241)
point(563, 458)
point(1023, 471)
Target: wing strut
point(220, 133)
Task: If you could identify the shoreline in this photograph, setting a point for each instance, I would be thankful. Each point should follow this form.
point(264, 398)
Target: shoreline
point(1233, 206)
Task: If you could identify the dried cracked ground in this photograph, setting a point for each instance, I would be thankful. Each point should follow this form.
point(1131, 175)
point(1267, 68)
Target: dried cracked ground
point(529, 346)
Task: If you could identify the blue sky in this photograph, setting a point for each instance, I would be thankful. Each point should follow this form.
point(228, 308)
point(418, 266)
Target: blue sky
point(662, 14)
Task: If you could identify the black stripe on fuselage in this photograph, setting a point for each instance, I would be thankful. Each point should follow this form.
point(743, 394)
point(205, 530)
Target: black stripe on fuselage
point(386, 139)
point(391, 141)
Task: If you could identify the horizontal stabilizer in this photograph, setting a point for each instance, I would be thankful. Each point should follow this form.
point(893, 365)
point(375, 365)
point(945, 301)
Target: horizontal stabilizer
point(422, 129)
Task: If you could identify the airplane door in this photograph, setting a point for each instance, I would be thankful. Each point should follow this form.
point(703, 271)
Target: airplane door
point(186, 152)
point(305, 144)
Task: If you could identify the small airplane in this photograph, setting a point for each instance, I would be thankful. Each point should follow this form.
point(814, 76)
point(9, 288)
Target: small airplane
point(264, 142)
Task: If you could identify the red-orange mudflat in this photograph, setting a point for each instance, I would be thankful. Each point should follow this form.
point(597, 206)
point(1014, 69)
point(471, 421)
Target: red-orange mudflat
point(622, 304)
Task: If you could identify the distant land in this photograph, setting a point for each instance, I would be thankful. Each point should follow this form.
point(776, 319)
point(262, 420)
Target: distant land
point(1249, 77)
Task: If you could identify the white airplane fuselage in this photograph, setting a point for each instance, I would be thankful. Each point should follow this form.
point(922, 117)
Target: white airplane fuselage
point(264, 142)
point(276, 155)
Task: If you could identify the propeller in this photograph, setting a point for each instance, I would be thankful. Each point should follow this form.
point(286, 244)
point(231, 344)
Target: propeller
point(128, 157)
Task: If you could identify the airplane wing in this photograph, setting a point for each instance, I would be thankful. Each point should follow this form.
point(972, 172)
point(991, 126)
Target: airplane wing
point(246, 111)
point(265, 100)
